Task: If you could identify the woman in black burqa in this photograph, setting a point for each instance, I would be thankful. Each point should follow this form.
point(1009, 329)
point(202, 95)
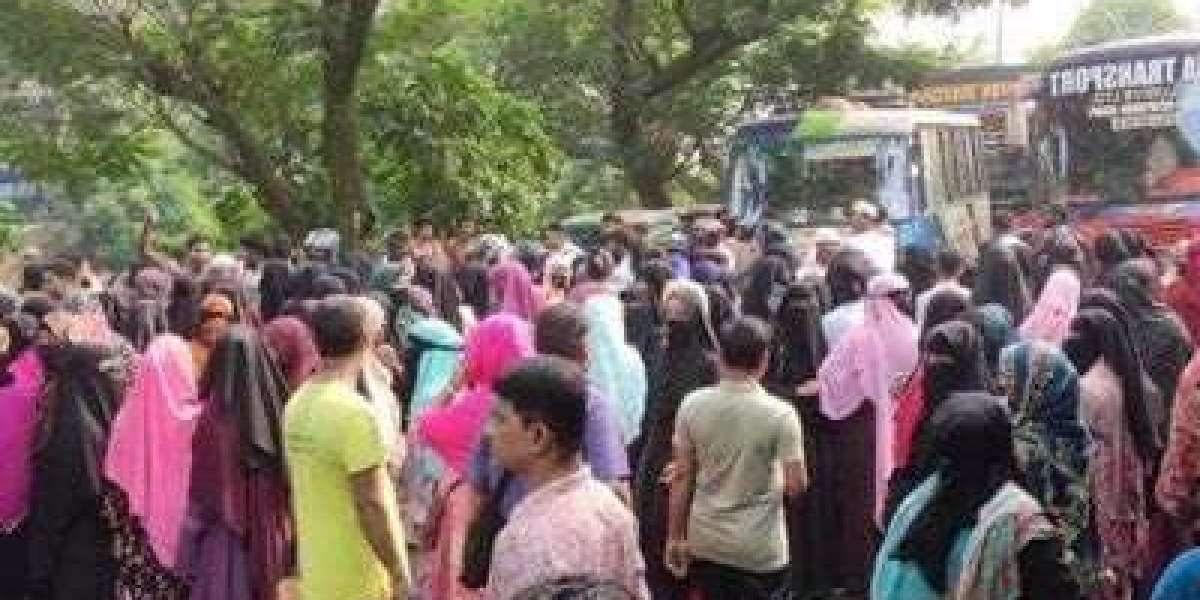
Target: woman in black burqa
point(683, 364)
point(242, 546)
point(797, 350)
point(70, 544)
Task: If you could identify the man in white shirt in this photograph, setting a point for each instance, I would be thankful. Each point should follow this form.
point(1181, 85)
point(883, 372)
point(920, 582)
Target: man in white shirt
point(950, 270)
point(867, 235)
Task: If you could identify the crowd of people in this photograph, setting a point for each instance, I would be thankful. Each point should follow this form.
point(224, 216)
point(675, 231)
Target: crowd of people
point(729, 415)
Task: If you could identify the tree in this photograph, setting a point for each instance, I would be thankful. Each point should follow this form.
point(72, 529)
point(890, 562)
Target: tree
point(268, 93)
point(654, 87)
point(1109, 20)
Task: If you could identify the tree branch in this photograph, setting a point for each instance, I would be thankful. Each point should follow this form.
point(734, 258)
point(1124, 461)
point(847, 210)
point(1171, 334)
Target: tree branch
point(187, 139)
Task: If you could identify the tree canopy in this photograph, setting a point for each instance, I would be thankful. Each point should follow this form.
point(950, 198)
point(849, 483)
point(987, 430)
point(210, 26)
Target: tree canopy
point(363, 113)
point(1109, 20)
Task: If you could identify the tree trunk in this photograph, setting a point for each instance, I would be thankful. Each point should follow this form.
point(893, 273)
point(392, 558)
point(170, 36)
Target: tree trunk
point(346, 26)
point(641, 163)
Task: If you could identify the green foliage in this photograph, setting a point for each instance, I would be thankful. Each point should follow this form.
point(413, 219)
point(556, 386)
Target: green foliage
point(446, 142)
point(1109, 20)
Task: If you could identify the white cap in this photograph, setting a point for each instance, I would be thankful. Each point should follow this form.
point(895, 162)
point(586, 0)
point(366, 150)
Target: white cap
point(864, 208)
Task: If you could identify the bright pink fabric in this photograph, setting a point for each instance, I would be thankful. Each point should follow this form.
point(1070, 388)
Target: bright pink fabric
point(1050, 320)
point(490, 349)
point(513, 290)
point(871, 363)
point(18, 422)
point(150, 449)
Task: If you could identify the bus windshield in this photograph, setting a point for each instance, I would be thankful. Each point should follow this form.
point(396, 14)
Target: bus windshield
point(811, 183)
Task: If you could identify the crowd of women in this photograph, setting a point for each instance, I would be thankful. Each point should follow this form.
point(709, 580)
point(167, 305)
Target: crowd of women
point(1023, 425)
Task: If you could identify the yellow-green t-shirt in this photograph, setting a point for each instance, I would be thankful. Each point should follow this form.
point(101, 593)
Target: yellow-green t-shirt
point(331, 433)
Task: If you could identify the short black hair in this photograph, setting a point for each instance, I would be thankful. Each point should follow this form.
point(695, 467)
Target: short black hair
point(552, 391)
point(745, 342)
point(1001, 222)
point(560, 330)
point(949, 262)
point(339, 326)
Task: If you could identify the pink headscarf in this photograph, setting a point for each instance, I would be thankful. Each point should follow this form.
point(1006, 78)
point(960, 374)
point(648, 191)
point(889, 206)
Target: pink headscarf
point(18, 424)
point(150, 449)
point(1050, 320)
point(871, 363)
point(490, 349)
point(512, 289)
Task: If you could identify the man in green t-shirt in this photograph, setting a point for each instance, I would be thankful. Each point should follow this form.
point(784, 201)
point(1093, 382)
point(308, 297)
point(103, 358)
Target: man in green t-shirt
point(349, 537)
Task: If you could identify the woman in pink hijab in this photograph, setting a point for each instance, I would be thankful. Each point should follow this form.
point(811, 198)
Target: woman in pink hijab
point(1050, 319)
point(149, 461)
point(20, 387)
point(512, 290)
point(870, 364)
point(453, 431)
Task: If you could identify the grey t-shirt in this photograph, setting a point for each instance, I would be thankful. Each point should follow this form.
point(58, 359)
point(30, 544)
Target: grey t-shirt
point(741, 437)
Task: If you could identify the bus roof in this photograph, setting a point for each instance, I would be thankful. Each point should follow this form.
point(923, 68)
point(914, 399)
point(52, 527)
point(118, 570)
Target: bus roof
point(822, 124)
point(1131, 48)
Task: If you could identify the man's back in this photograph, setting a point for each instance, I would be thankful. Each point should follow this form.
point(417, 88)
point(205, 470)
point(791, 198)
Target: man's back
point(740, 436)
point(330, 434)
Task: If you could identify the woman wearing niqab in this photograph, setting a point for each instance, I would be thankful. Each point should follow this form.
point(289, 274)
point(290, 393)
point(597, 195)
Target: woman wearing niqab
point(969, 530)
point(1001, 280)
point(1125, 446)
point(1158, 335)
point(682, 365)
point(240, 544)
point(70, 543)
point(797, 350)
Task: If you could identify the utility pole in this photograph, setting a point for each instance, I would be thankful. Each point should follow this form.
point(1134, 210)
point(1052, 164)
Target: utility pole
point(1000, 32)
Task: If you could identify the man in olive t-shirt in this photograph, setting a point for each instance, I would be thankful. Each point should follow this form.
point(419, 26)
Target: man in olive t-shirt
point(738, 452)
point(348, 529)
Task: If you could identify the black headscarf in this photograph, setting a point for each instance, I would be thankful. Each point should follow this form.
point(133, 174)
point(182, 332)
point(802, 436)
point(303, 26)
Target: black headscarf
point(473, 283)
point(274, 288)
point(1159, 336)
point(768, 278)
point(143, 321)
point(441, 285)
point(919, 266)
point(720, 304)
point(1001, 280)
point(944, 306)
point(974, 457)
point(954, 362)
point(85, 386)
point(798, 346)
point(183, 310)
point(1110, 252)
point(247, 387)
point(1097, 334)
point(325, 286)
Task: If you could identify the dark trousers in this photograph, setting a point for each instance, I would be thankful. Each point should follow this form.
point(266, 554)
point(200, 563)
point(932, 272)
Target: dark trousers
point(711, 581)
